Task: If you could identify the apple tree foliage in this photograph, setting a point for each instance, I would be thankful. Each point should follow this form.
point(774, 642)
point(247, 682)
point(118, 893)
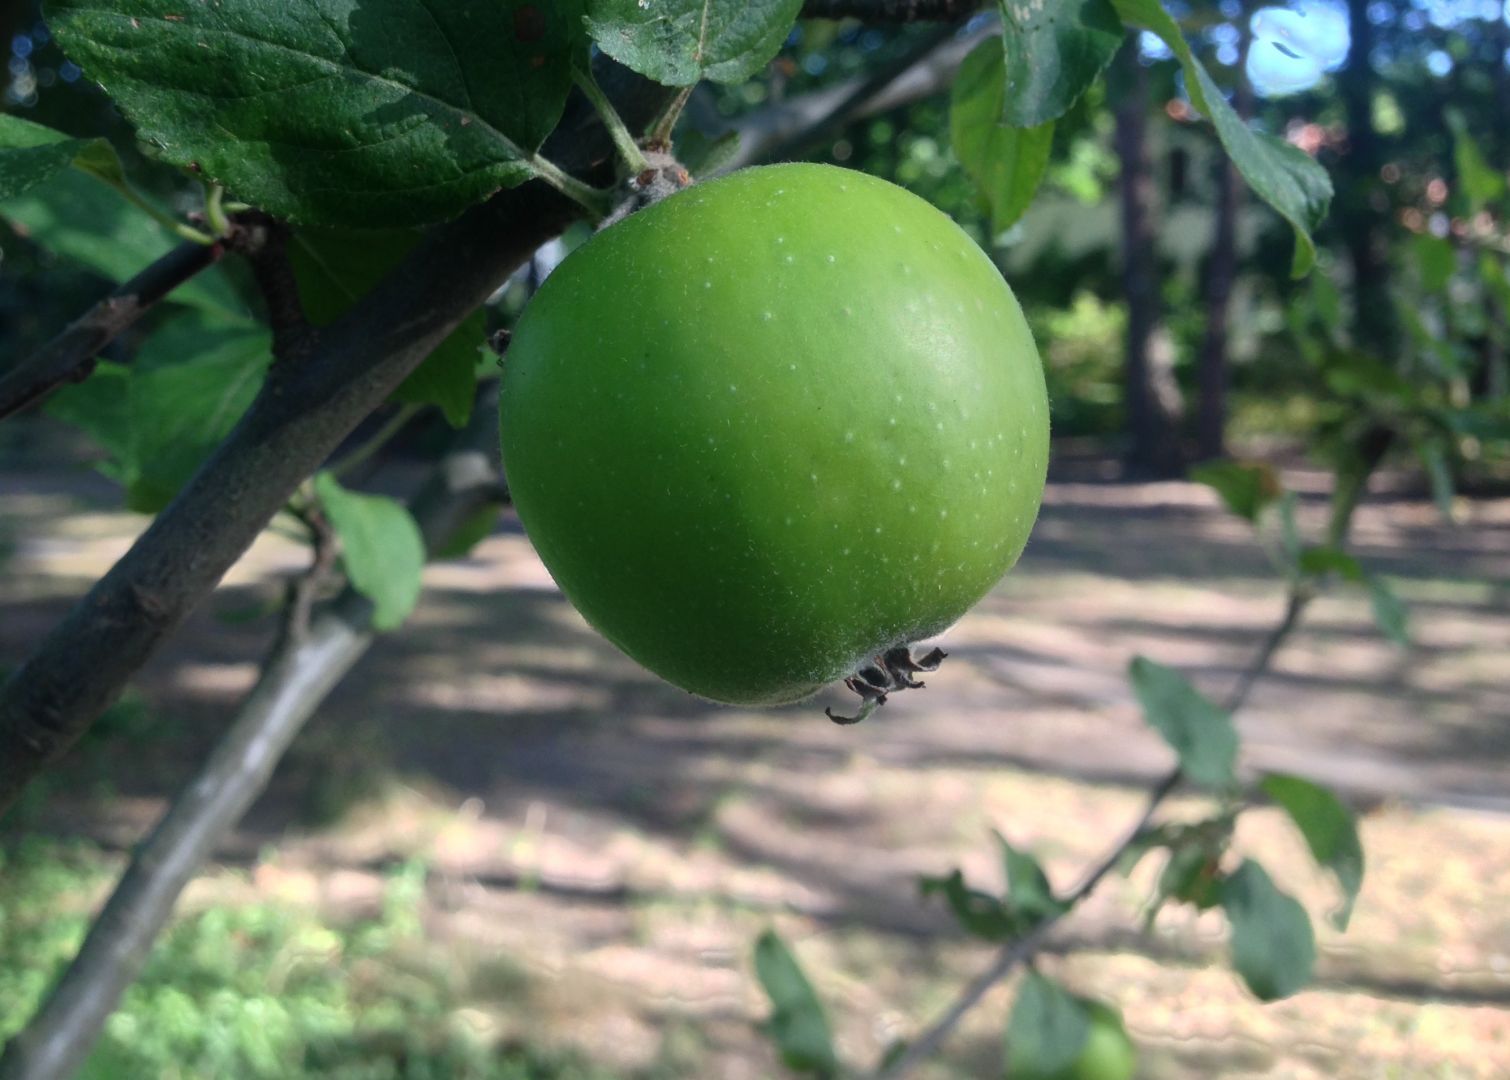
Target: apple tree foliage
point(365, 135)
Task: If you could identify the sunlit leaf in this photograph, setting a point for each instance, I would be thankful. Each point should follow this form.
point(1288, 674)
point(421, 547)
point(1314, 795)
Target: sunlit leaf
point(391, 111)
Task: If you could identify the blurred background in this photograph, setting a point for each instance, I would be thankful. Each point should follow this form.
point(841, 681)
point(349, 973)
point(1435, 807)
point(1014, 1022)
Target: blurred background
point(503, 850)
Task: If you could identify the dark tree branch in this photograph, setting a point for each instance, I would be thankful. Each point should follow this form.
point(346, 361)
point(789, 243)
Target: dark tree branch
point(70, 357)
point(302, 671)
point(264, 243)
point(891, 11)
point(300, 416)
point(769, 133)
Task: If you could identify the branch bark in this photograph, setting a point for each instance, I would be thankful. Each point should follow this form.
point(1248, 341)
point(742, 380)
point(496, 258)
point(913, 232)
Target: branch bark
point(767, 133)
point(304, 668)
point(302, 413)
point(71, 356)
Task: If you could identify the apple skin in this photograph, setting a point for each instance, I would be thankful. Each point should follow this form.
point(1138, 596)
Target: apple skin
point(769, 427)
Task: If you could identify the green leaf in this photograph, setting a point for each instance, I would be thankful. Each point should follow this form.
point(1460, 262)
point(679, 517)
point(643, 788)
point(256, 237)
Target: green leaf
point(1330, 832)
point(797, 1021)
point(1328, 560)
point(1439, 473)
point(679, 42)
point(1200, 732)
point(1245, 488)
point(1273, 946)
point(394, 111)
point(1047, 1030)
point(978, 913)
point(1191, 877)
point(1390, 614)
point(1028, 890)
point(159, 419)
point(1283, 176)
point(472, 530)
point(100, 406)
point(1006, 163)
point(381, 548)
point(334, 268)
point(1481, 183)
point(1436, 258)
point(1054, 51)
point(31, 154)
point(87, 222)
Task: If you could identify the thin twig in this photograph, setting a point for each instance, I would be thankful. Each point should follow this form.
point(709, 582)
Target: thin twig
point(304, 588)
point(1345, 498)
point(71, 356)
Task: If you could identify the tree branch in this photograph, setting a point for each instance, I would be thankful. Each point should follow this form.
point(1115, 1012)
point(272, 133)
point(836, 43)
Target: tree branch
point(768, 133)
point(299, 417)
point(303, 669)
point(264, 243)
point(891, 11)
point(71, 356)
point(1349, 490)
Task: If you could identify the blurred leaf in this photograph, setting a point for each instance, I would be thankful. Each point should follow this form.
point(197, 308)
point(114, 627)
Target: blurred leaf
point(31, 154)
point(334, 268)
point(1329, 830)
point(192, 379)
point(1289, 531)
point(978, 913)
point(1496, 281)
point(1200, 732)
point(1391, 616)
point(1190, 876)
point(90, 223)
point(1437, 259)
point(702, 156)
point(1028, 890)
point(1246, 488)
point(1326, 298)
point(1439, 474)
point(679, 42)
point(100, 406)
point(1273, 946)
point(1481, 183)
point(476, 528)
point(797, 1021)
point(394, 111)
point(1283, 176)
point(381, 548)
point(1006, 163)
point(1328, 560)
point(1349, 371)
point(1053, 53)
point(1047, 1030)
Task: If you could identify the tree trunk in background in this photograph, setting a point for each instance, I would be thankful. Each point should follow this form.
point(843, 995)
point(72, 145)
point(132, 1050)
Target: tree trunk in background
point(1221, 274)
point(1152, 398)
point(1362, 205)
point(1213, 367)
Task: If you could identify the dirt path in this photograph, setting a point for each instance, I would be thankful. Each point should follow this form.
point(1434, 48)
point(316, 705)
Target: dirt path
point(622, 843)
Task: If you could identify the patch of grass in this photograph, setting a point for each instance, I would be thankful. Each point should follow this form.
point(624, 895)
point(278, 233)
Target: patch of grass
point(257, 990)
